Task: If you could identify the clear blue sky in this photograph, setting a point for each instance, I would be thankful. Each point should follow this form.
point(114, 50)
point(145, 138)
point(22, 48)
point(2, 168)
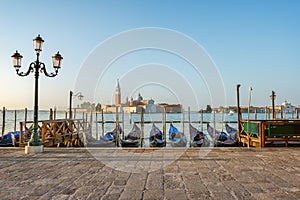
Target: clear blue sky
point(254, 43)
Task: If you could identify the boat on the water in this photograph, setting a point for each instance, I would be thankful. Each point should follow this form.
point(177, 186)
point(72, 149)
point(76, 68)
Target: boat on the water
point(217, 136)
point(232, 139)
point(178, 139)
point(231, 112)
point(133, 139)
point(223, 138)
point(9, 139)
point(231, 131)
point(197, 137)
point(220, 136)
point(110, 139)
point(156, 138)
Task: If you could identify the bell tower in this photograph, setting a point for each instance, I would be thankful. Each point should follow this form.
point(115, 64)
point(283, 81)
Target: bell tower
point(118, 94)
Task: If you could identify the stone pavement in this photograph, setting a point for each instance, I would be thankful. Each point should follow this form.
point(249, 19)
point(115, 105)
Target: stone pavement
point(217, 173)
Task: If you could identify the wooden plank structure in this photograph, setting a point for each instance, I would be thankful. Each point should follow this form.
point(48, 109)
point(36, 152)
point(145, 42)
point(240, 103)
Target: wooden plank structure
point(260, 133)
point(55, 132)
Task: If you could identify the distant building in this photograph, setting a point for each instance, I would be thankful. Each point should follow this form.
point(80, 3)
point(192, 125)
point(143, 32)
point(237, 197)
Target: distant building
point(170, 108)
point(118, 94)
point(109, 108)
point(287, 107)
point(138, 104)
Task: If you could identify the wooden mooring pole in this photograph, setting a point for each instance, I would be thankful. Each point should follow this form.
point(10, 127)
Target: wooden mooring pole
point(164, 126)
point(83, 122)
point(91, 123)
point(51, 114)
point(117, 126)
point(130, 120)
point(223, 119)
point(142, 127)
point(123, 125)
point(25, 115)
point(214, 122)
point(102, 121)
point(189, 125)
point(97, 134)
point(54, 113)
point(273, 105)
point(238, 110)
point(182, 119)
point(86, 121)
point(201, 120)
point(3, 121)
point(15, 121)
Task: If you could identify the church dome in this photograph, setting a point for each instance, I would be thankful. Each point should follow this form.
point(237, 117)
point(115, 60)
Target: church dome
point(139, 97)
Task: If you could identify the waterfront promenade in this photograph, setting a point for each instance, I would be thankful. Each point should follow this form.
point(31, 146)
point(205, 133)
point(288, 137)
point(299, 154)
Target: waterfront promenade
point(220, 173)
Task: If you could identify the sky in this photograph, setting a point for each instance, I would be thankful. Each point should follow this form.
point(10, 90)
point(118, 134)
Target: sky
point(253, 43)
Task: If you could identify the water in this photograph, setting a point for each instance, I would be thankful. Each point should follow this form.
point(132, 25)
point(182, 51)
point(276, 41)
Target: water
point(10, 118)
point(176, 118)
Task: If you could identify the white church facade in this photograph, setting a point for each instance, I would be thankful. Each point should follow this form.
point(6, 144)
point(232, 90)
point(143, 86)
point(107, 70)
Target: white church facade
point(137, 105)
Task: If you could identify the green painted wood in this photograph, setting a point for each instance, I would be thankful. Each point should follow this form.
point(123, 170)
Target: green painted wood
point(283, 130)
point(252, 128)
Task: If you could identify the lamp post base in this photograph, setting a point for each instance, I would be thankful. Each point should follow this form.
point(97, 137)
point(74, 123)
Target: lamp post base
point(34, 149)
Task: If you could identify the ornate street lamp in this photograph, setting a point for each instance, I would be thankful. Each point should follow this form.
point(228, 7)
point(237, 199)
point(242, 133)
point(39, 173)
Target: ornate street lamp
point(80, 97)
point(36, 67)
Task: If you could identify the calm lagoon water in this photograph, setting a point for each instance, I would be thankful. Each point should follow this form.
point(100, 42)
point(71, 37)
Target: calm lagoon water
point(176, 118)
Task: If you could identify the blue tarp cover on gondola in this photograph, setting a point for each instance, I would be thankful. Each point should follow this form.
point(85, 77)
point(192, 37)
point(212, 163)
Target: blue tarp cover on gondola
point(178, 139)
point(7, 138)
point(172, 132)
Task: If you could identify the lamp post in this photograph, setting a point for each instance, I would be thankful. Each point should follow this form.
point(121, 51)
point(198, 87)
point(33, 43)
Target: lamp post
point(36, 67)
point(80, 97)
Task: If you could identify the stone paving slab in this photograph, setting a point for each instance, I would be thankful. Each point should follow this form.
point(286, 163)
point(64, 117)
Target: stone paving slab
point(196, 173)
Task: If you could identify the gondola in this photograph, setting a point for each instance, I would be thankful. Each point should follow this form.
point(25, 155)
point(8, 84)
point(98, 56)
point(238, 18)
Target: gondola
point(110, 139)
point(9, 139)
point(178, 139)
point(197, 137)
point(232, 139)
point(156, 138)
point(133, 138)
point(219, 138)
point(222, 138)
point(231, 131)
